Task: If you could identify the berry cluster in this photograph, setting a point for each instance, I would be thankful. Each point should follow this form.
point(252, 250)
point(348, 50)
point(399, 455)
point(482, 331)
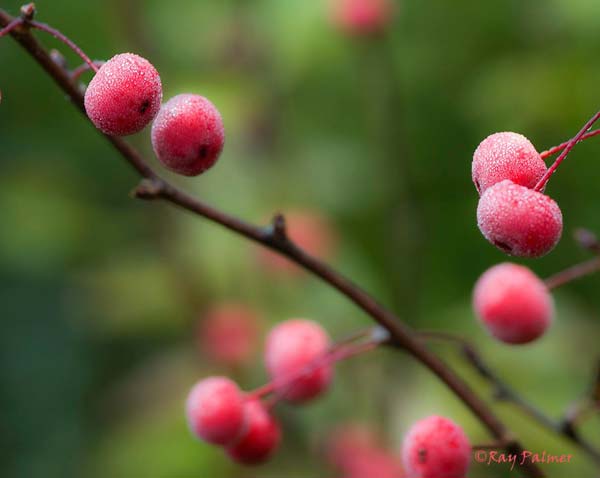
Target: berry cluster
point(512, 214)
point(512, 303)
point(300, 366)
point(125, 95)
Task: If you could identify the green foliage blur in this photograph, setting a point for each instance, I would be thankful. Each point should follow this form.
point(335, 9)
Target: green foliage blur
point(101, 294)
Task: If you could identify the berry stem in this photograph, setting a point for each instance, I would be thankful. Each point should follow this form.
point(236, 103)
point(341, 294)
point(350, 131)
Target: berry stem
point(573, 273)
point(339, 351)
point(560, 147)
point(567, 149)
point(63, 38)
point(11, 26)
point(77, 72)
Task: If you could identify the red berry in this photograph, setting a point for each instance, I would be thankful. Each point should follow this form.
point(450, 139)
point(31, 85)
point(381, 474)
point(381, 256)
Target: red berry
point(362, 17)
point(260, 437)
point(188, 134)
point(503, 156)
point(292, 348)
point(311, 231)
point(124, 96)
point(513, 303)
point(228, 333)
point(215, 410)
point(519, 221)
point(436, 447)
point(357, 453)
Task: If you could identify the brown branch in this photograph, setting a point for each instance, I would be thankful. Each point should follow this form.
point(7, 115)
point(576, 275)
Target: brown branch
point(154, 187)
point(503, 392)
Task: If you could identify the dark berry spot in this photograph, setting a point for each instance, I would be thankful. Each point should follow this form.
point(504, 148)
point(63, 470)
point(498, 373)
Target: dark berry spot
point(422, 455)
point(203, 151)
point(145, 105)
point(503, 246)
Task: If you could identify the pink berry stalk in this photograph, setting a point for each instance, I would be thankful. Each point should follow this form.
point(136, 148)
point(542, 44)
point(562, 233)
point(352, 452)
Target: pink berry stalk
point(570, 145)
point(560, 147)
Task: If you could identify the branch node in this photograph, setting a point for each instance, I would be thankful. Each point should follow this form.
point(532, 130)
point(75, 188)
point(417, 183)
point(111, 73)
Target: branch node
point(28, 12)
point(149, 188)
point(587, 240)
point(279, 226)
point(380, 335)
point(58, 58)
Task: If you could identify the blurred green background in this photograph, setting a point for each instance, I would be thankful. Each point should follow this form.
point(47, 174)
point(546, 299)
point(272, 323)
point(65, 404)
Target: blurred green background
point(101, 295)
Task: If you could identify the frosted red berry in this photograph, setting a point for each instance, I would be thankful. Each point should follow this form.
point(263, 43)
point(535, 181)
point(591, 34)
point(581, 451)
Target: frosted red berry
point(260, 438)
point(362, 17)
point(292, 350)
point(519, 221)
point(124, 95)
point(436, 447)
point(513, 303)
point(503, 156)
point(228, 333)
point(188, 134)
point(215, 410)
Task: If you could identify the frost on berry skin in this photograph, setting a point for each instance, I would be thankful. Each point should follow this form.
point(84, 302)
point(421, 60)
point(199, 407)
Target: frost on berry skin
point(215, 410)
point(362, 17)
point(124, 95)
point(292, 347)
point(519, 221)
point(513, 303)
point(503, 156)
point(228, 333)
point(260, 438)
point(188, 134)
point(436, 447)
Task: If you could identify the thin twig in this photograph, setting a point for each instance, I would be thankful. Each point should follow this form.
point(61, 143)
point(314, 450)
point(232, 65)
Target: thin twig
point(572, 273)
point(560, 147)
point(503, 392)
point(567, 149)
point(401, 336)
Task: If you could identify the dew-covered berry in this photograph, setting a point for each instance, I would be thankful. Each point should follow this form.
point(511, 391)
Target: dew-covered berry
point(362, 17)
point(188, 134)
point(512, 303)
point(519, 221)
point(215, 410)
point(292, 350)
point(503, 156)
point(260, 437)
point(436, 447)
point(124, 95)
point(228, 333)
